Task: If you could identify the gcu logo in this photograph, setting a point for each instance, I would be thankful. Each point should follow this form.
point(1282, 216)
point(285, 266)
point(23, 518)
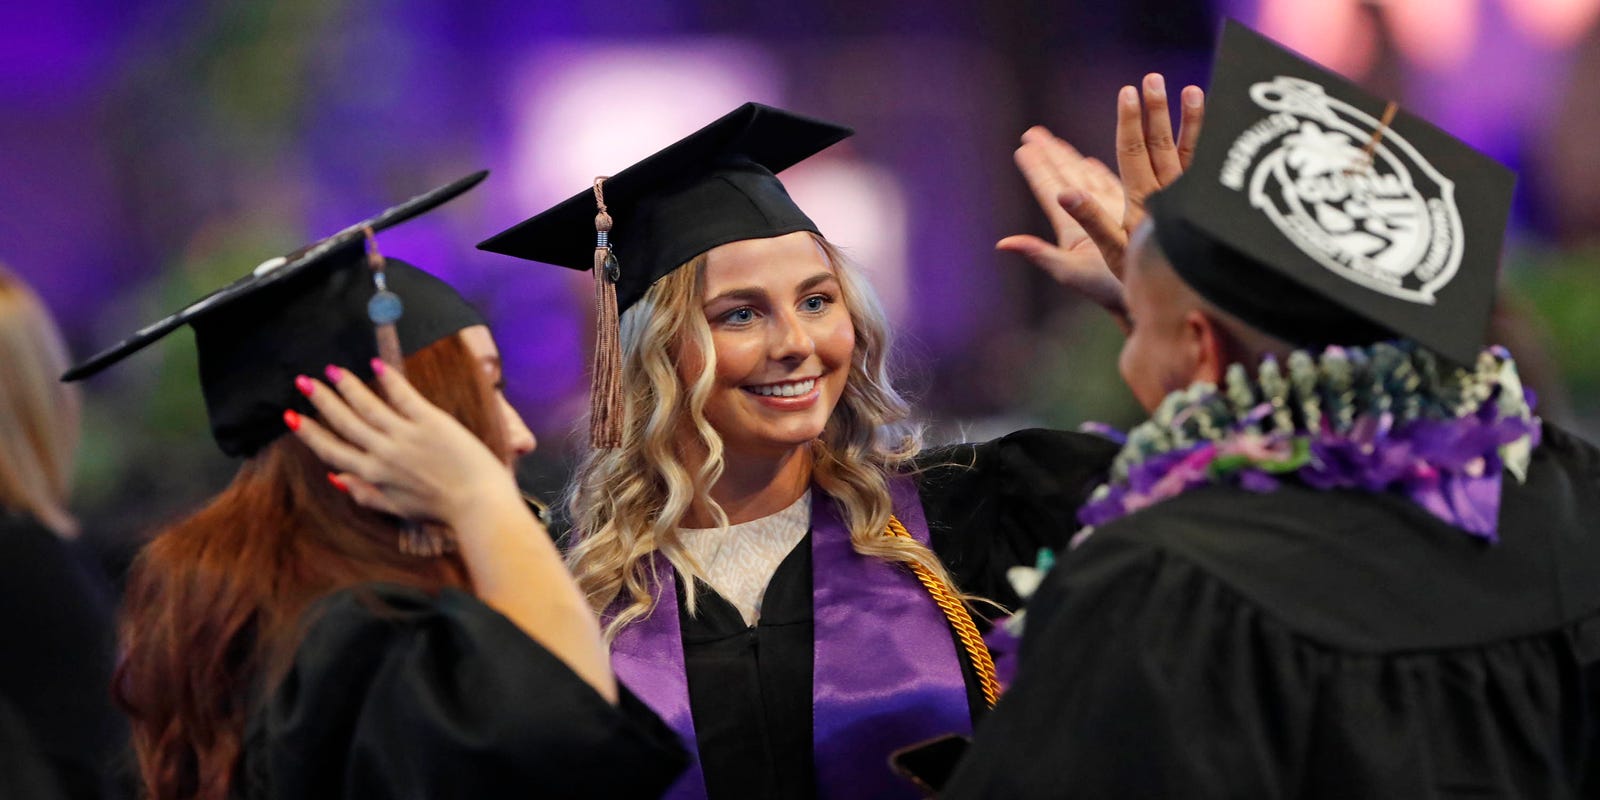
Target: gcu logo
point(1391, 225)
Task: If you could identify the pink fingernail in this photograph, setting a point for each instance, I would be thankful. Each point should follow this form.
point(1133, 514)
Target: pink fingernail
point(305, 385)
point(338, 483)
point(291, 419)
point(378, 367)
point(333, 373)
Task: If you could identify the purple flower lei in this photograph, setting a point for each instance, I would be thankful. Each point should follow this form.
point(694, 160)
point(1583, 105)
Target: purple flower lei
point(1385, 418)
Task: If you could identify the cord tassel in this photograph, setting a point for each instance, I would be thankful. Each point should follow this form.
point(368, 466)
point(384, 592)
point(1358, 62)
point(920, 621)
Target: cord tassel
point(605, 388)
point(960, 619)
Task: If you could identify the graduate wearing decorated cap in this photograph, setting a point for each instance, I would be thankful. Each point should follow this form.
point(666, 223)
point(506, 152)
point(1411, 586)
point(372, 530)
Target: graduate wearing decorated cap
point(780, 568)
point(370, 609)
point(1343, 558)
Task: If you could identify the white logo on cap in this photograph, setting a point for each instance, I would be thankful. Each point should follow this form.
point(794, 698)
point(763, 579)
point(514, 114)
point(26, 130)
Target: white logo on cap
point(1391, 225)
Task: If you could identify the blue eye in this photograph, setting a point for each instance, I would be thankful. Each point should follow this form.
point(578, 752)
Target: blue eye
point(739, 316)
point(815, 302)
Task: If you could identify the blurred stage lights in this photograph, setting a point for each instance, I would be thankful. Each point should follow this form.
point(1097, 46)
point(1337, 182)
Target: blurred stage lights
point(583, 109)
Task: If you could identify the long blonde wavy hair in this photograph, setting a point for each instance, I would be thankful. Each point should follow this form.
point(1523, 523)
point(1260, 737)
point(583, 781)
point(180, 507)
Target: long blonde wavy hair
point(627, 502)
point(39, 415)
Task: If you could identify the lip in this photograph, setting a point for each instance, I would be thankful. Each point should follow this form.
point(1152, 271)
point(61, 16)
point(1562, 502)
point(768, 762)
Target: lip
point(798, 402)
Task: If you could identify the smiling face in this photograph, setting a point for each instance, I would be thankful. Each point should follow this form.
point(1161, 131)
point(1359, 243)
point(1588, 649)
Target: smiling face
point(783, 341)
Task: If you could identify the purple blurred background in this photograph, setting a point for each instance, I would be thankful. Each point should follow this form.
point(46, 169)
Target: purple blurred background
point(154, 149)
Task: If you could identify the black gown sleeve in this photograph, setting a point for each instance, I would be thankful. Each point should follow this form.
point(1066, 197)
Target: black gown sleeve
point(395, 694)
point(995, 505)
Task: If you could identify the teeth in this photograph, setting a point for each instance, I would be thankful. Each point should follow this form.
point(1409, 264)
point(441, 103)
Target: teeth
point(785, 389)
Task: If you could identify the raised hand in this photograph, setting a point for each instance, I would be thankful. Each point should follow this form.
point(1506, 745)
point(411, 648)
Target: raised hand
point(1093, 212)
point(405, 457)
point(1148, 159)
point(1052, 167)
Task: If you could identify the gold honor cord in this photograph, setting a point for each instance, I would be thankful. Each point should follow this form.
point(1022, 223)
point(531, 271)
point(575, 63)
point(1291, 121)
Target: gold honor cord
point(960, 619)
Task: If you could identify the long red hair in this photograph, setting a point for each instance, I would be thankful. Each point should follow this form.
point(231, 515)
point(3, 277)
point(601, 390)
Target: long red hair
point(213, 607)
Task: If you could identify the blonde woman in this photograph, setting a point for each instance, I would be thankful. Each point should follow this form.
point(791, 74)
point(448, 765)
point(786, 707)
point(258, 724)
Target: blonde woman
point(58, 638)
point(779, 567)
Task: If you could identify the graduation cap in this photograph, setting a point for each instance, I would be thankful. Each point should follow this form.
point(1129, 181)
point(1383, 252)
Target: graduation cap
point(1324, 215)
point(331, 302)
point(714, 186)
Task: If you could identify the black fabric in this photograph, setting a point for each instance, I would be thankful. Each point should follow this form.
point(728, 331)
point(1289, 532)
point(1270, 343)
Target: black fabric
point(25, 773)
point(1407, 240)
point(251, 352)
point(990, 507)
point(1314, 645)
point(394, 694)
point(714, 186)
point(56, 656)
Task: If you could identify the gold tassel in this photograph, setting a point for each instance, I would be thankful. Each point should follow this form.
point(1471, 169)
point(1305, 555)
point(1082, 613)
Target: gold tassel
point(960, 619)
point(605, 388)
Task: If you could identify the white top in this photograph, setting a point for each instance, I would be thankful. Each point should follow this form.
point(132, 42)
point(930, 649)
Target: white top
point(738, 561)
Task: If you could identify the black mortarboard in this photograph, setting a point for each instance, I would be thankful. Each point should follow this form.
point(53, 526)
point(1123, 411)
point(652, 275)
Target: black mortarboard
point(292, 316)
point(712, 187)
point(1307, 216)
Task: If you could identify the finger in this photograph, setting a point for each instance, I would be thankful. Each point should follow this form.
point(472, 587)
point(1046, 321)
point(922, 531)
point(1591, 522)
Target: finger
point(1104, 231)
point(1040, 133)
point(1158, 130)
point(369, 405)
point(403, 397)
point(364, 494)
point(344, 421)
point(329, 448)
point(1023, 245)
point(1044, 180)
point(1193, 101)
point(1133, 157)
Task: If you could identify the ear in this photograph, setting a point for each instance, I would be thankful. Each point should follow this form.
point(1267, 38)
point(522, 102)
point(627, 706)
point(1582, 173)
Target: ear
point(1210, 346)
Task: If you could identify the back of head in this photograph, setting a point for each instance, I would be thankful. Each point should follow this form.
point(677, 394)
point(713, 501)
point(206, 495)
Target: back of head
point(39, 415)
point(215, 604)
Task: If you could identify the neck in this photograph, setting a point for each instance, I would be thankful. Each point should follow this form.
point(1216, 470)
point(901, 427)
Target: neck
point(752, 487)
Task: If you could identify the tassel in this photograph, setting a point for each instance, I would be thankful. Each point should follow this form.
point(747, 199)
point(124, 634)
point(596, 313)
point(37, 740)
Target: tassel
point(385, 308)
point(605, 388)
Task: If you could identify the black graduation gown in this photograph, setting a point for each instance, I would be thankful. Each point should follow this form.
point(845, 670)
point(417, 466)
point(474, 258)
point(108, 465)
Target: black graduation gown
point(989, 506)
point(396, 694)
point(56, 655)
point(1314, 645)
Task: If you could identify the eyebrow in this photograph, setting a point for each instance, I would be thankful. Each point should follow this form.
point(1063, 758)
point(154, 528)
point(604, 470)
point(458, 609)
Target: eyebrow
point(493, 362)
point(753, 293)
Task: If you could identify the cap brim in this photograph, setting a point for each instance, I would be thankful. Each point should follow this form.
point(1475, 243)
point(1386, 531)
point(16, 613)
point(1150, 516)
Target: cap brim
point(262, 278)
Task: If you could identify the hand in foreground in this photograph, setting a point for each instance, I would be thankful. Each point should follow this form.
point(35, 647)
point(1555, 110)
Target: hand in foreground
point(405, 457)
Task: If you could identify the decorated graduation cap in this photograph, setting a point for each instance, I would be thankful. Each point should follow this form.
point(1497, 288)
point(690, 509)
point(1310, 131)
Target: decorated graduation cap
point(715, 186)
point(336, 301)
point(1324, 215)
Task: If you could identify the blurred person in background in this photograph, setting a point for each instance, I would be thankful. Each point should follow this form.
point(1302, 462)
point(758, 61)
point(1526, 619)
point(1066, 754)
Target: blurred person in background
point(401, 627)
point(56, 646)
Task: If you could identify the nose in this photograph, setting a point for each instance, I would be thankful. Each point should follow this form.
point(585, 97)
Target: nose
point(518, 437)
point(791, 339)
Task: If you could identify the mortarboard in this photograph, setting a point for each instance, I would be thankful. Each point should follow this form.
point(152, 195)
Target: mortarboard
point(712, 187)
point(1324, 215)
point(294, 314)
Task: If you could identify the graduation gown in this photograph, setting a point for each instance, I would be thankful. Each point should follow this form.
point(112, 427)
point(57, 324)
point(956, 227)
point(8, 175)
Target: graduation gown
point(1314, 644)
point(396, 694)
point(56, 655)
point(989, 507)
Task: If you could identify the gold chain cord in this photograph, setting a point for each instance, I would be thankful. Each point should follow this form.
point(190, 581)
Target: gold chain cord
point(960, 620)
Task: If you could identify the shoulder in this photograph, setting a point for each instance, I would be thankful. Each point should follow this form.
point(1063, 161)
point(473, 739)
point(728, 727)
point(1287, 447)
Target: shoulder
point(1033, 461)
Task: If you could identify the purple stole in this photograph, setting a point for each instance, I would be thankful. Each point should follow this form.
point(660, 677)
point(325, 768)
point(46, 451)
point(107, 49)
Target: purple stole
point(885, 674)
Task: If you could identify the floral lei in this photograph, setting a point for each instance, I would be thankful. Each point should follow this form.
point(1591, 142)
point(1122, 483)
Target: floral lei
point(1389, 417)
point(1384, 418)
